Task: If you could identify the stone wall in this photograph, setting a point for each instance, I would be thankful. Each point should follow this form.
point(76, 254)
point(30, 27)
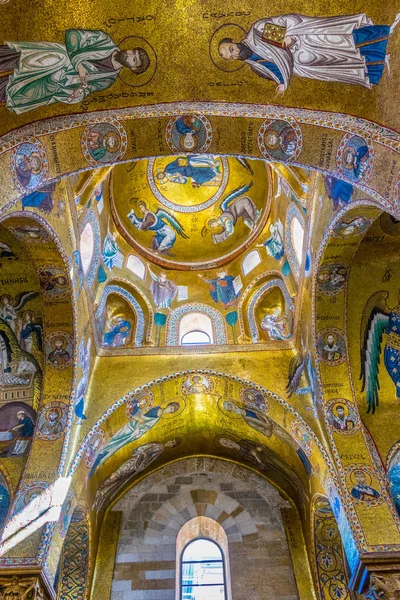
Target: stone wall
point(246, 506)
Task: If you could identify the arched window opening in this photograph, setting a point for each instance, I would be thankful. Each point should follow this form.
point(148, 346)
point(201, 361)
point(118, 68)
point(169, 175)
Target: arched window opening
point(87, 246)
point(195, 337)
point(137, 266)
point(297, 234)
point(251, 261)
point(195, 328)
point(203, 571)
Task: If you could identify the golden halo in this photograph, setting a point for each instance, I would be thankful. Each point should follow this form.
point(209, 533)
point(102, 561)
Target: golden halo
point(59, 337)
point(182, 404)
point(39, 169)
point(347, 150)
point(128, 76)
point(55, 409)
point(368, 478)
point(228, 30)
point(107, 136)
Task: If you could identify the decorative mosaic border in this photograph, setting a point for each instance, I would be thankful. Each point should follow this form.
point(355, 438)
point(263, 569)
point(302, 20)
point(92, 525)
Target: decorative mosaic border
point(174, 318)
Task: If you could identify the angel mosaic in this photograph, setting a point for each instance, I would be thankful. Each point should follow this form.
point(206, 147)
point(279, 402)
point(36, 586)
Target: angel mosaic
point(378, 319)
point(142, 419)
point(300, 365)
point(142, 457)
point(10, 307)
point(164, 225)
point(234, 206)
point(224, 289)
point(345, 49)
point(198, 384)
point(112, 255)
point(43, 73)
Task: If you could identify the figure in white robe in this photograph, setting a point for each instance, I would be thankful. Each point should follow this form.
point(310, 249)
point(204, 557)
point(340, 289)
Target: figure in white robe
point(346, 49)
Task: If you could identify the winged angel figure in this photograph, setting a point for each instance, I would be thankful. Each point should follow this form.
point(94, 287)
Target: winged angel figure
point(9, 307)
point(378, 319)
point(302, 363)
point(164, 225)
point(234, 206)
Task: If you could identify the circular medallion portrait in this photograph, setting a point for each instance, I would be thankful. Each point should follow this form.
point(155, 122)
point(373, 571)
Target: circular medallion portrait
point(322, 507)
point(331, 346)
point(66, 514)
point(197, 384)
point(54, 282)
point(29, 165)
point(280, 140)
point(354, 158)
point(254, 398)
point(52, 421)
point(331, 278)
point(59, 349)
point(139, 403)
point(342, 416)
point(81, 513)
point(94, 447)
point(189, 133)
point(302, 436)
point(348, 227)
point(363, 484)
point(199, 180)
point(33, 494)
point(104, 142)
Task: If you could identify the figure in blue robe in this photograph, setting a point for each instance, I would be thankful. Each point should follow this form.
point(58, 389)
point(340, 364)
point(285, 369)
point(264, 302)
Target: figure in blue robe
point(222, 289)
point(340, 192)
point(41, 198)
point(118, 334)
point(200, 169)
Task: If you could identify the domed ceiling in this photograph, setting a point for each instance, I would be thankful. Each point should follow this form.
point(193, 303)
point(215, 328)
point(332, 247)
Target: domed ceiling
point(191, 212)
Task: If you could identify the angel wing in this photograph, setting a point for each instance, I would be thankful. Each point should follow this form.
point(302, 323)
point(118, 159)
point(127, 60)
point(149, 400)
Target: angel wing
point(23, 298)
point(375, 320)
point(296, 368)
point(245, 163)
point(237, 192)
point(170, 219)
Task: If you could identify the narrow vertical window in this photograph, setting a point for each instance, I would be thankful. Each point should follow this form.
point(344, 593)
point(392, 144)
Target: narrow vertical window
point(203, 571)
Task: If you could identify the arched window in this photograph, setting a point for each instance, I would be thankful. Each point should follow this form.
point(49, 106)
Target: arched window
point(251, 261)
point(195, 328)
point(87, 245)
point(203, 571)
point(297, 234)
point(137, 266)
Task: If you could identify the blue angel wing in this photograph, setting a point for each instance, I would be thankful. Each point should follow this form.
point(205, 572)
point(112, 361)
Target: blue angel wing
point(245, 163)
point(237, 192)
point(170, 219)
point(374, 323)
point(296, 368)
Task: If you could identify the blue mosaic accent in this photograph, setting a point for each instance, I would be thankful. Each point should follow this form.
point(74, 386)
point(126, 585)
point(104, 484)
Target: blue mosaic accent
point(116, 289)
point(292, 212)
point(251, 316)
point(91, 218)
point(174, 318)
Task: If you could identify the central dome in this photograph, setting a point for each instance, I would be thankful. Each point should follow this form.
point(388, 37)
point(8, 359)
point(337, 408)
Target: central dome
point(190, 212)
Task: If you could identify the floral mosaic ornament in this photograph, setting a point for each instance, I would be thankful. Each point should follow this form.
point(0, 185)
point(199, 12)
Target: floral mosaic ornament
point(29, 165)
point(331, 278)
point(331, 346)
point(59, 349)
point(363, 485)
point(54, 282)
point(342, 416)
point(355, 157)
point(52, 421)
point(189, 133)
point(280, 140)
point(104, 142)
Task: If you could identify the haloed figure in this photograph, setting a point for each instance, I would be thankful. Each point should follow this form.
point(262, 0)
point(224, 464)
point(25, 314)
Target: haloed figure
point(345, 49)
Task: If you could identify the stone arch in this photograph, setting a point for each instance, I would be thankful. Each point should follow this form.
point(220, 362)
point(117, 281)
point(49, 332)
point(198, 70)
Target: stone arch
point(220, 335)
point(316, 130)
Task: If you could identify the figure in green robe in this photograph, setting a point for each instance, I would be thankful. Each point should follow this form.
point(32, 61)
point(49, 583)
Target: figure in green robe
point(42, 73)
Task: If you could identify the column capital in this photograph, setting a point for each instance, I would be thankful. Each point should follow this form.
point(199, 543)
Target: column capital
point(24, 585)
point(383, 586)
